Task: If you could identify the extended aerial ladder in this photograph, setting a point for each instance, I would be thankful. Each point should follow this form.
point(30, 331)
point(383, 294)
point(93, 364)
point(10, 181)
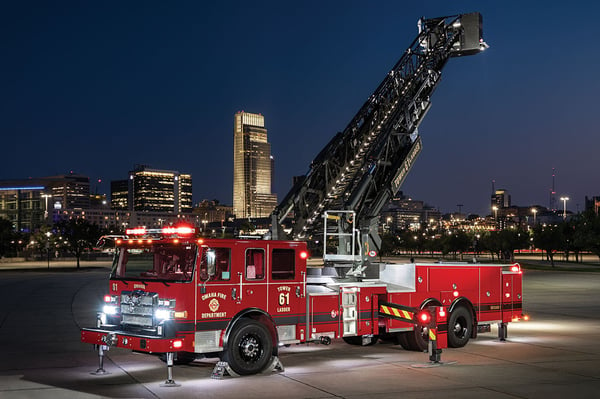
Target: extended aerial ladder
point(363, 167)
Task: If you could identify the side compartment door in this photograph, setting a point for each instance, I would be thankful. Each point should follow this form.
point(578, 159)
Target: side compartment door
point(490, 295)
point(512, 301)
point(350, 315)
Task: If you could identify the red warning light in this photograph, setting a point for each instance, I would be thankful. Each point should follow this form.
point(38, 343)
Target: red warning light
point(303, 255)
point(424, 317)
point(180, 230)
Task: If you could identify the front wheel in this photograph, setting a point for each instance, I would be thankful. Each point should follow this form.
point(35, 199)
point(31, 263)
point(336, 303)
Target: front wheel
point(249, 348)
point(460, 327)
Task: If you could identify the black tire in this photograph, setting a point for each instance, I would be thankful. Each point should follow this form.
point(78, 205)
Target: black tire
point(403, 340)
point(416, 340)
point(390, 338)
point(357, 340)
point(249, 347)
point(460, 327)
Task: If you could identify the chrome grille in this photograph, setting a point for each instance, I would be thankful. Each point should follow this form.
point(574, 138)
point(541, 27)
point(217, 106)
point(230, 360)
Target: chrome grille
point(137, 307)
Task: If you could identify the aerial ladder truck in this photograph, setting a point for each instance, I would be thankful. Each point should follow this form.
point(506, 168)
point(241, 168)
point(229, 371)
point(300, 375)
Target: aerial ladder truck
point(183, 296)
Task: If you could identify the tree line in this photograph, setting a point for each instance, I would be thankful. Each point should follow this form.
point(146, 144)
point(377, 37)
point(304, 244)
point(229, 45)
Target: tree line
point(73, 236)
point(578, 234)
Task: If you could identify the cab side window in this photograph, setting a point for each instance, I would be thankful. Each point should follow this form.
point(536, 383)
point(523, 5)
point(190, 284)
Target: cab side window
point(255, 264)
point(283, 267)
point(222, 262)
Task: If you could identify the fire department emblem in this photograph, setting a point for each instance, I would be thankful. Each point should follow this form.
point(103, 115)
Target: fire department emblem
point(213, 305)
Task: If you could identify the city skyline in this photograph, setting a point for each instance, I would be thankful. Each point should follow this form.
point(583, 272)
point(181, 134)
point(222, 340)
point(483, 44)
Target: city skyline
point(92, 89)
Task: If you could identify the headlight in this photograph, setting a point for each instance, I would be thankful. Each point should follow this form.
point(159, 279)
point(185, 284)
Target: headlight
point(110, 309)
point(111, 306)
point(163, 314)
point(165, 309)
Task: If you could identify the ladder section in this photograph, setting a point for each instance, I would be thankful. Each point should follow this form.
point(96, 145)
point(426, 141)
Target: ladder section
point(364, 165)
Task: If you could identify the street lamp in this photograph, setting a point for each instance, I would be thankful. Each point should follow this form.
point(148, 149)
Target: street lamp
point(46, 196)
point(564, 200)
point(534, 210)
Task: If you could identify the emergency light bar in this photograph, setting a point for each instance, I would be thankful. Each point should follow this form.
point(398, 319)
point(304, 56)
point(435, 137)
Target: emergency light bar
point(138, 231)
point(169, 230)
point(182, 230)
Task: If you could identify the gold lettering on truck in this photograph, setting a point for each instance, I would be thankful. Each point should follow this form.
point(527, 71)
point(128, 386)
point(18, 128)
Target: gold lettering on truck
point(213, 295)
point(284, 298)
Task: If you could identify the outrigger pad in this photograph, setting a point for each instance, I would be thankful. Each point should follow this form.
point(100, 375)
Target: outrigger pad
point(169, 384)
point(222, 369)
point(275, 365)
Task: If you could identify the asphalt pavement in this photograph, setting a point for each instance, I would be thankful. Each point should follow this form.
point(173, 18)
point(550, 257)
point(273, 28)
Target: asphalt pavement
point(552, 356)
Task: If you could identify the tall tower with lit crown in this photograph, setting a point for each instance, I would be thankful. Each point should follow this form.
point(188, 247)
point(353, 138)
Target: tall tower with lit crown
point(252, 167)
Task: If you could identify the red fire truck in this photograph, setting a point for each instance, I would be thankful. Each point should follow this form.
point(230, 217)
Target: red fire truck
point(174, 293)
point(238, 299)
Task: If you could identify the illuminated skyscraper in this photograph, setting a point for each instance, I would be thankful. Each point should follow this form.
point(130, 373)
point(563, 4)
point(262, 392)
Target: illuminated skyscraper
point(153, 190)
point(252, 167)
point(501, 199)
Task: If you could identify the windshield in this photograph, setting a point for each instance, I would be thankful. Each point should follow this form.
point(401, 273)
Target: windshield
point(171, 262)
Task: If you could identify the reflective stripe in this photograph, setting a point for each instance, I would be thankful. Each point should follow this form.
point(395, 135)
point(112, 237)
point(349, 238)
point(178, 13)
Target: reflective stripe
point(397, 312)
point(432, 334)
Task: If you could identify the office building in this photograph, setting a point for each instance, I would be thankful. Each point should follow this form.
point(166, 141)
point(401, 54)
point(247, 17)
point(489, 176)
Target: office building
point(31, 203)
point(119, 194)
point(153, 190)
point(403, 212)
point(252, 167)
point(500, 199)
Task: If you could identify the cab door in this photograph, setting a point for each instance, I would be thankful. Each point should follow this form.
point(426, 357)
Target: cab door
point(215, 305)
point(252, 291)
point(286, 290)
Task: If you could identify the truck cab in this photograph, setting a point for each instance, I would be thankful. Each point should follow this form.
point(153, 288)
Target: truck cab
point(170, 291)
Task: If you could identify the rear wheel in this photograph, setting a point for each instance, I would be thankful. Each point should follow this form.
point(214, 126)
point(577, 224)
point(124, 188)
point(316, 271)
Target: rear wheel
point(415, 340)
point(460, 327)
point(249, 347)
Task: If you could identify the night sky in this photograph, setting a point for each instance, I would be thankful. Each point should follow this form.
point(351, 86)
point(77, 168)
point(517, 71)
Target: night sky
point(95, 87)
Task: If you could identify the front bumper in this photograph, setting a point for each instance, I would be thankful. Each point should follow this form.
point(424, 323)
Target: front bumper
point(136, 342)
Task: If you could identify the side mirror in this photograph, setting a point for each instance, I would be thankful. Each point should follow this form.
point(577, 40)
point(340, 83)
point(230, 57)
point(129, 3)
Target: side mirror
point(211, 262)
